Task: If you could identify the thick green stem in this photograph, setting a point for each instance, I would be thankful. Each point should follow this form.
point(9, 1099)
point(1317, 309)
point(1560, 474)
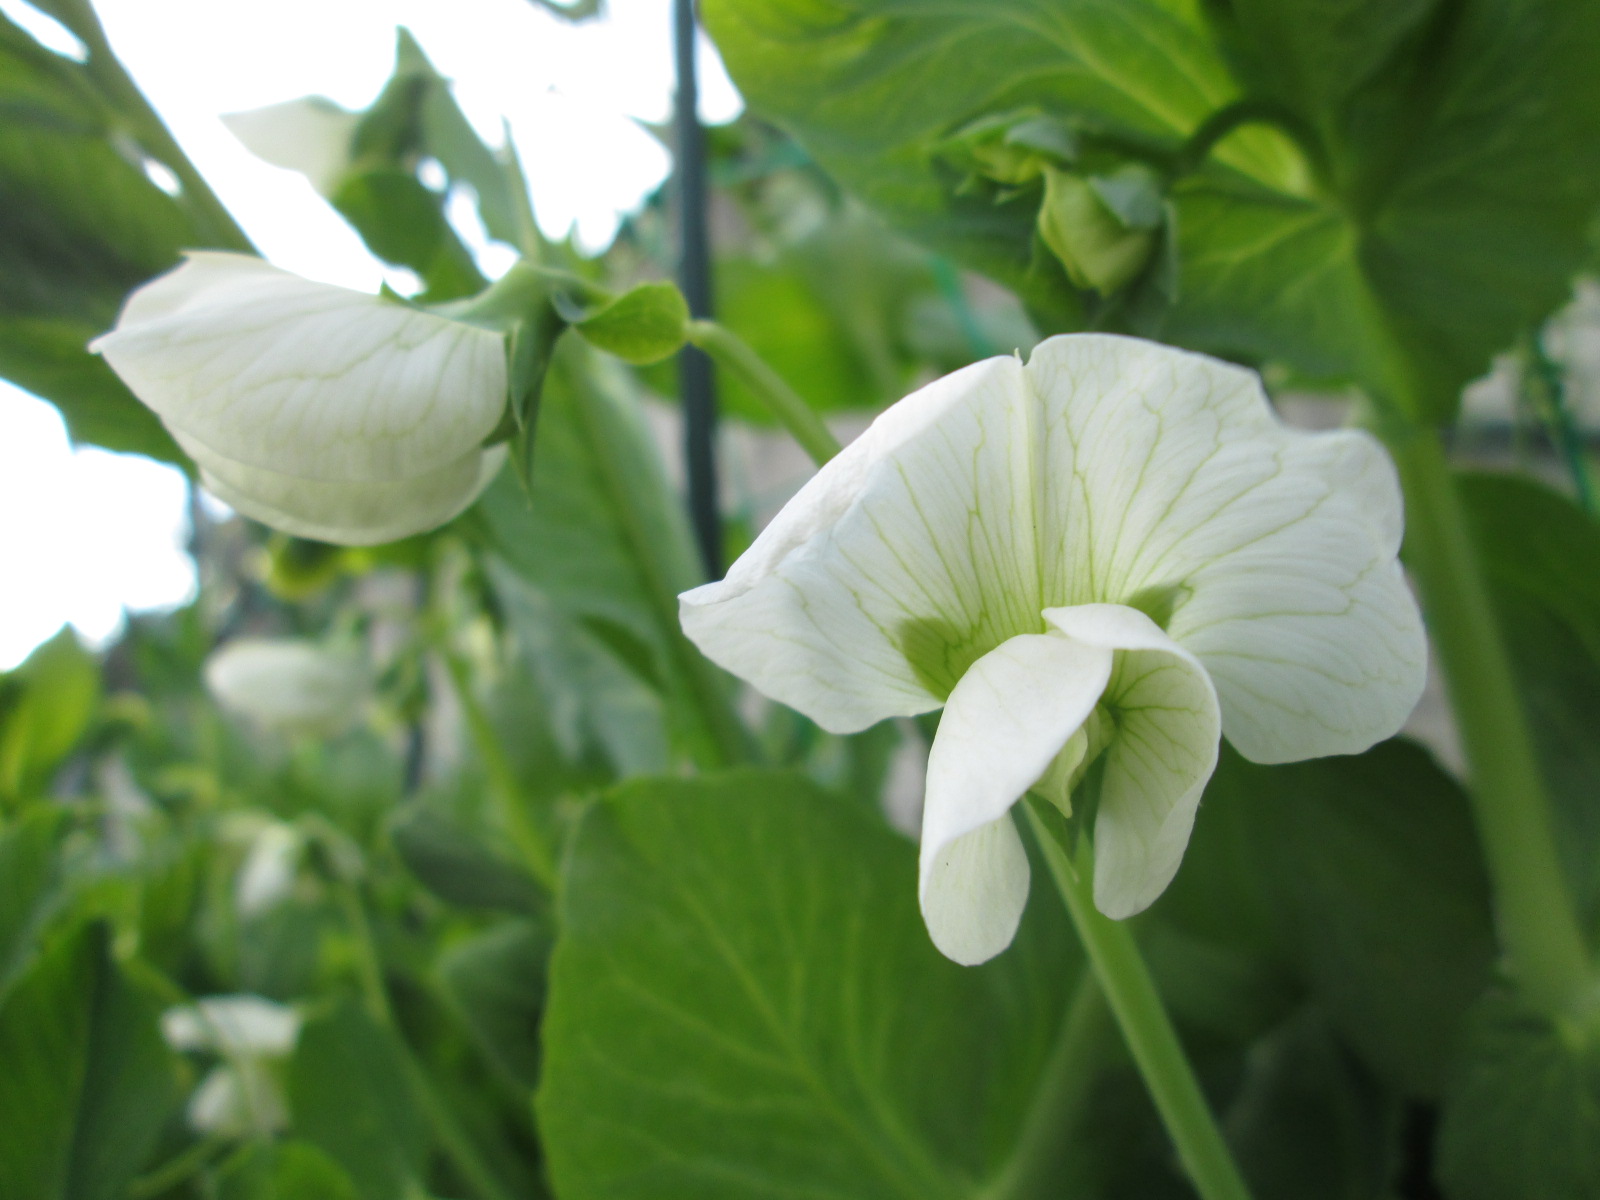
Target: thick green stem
point(1060, 1098)
point(733, 354)
point(1136, 1004)
point(1537, 922)
point(507, 792)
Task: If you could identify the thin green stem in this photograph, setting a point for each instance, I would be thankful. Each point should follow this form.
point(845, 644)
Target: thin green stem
point(176, 1170)
point(1060, 1099)
point(1136, 1004)
point(734, 355)
point(525, 832)
point(453, 1140)
point(1538, 924)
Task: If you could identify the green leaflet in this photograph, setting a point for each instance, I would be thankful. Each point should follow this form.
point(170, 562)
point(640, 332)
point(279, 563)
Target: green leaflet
point(1437, 201)
point(743, 1002)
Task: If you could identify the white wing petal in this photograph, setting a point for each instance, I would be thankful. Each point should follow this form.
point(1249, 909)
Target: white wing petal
point(347, 514)
point(1010, 714)
point(1169, 477)
point(1157, 762)
point(902, 561)
point(302, 378)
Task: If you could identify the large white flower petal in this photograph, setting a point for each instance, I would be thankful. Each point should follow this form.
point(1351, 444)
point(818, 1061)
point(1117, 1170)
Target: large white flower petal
point(1158, 759)
point(1005, 721)
point(1171, 484)
point(347, 514)
point(302, 378)
point(903, 560)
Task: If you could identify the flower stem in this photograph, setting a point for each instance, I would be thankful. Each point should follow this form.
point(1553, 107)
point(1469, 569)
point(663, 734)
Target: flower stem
point(1534, 910)
point(733, 354)
point(1136, 1004)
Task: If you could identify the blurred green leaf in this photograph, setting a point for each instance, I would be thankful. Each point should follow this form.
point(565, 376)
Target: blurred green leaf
point(1542, 556)
point(403, 223)
point(1438, 202)
point(743, 1001)
point(1307, 1123)
point(81, 225)
point(495, 980)
point(456, 866)
point(645, 324)
point(46, 706)
point(88, 1082)
point(351, 1096)
point(284, 1171)
point(1361, 878)
point(1522, 1116)
point(30, 882)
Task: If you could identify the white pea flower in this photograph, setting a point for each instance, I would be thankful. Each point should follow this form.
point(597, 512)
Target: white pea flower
point(1115, 552)
point(288, 685)
point(320, 411)
point(241, 1094)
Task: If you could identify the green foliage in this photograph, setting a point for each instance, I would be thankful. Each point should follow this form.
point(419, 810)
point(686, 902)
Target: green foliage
point(731, 1018)
point(1355, 882)
point(351, 1095)
point(81, 224)
point(1407, 187)
point(285, 1171)
point(30, 883)
point(496, 982)
point(88, 1082)
point(46, 706)
point(1522, 1116)
point(643, 325)
point(457, 867)
point(1542, 555)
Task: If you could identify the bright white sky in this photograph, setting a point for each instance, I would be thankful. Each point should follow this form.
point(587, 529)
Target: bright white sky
point(85, 534)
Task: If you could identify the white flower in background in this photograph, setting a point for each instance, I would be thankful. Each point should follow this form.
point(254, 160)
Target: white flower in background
point(323, 412)
point(289, 685)
point(311, 135)
point(1116, 553)
point(266, 878)
point(241, 1095)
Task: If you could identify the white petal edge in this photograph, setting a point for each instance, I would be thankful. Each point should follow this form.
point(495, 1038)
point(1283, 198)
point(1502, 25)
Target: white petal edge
point(304, 378)
point(895, 530)
point(1168, 469)
point(1157, 762)
point(348, 514)
point(1006, 719)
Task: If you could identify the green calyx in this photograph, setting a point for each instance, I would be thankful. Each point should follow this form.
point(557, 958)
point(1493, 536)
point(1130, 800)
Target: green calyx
point(1103, 228)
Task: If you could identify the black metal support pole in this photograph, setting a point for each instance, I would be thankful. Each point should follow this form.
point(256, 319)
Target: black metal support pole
point(694, 277)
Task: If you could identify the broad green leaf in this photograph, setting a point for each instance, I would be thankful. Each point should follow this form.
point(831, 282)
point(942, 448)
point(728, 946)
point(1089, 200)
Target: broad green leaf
point(456, 866)
point(46, 706)
point(1522, 1115)
point(1360, 879)
point(81, 225)
point(30, 883)
point(1438, 204)
point(744, 1003)
point(495, 980)
point(403, 223)
point(88, 1082)
point(350, 1094)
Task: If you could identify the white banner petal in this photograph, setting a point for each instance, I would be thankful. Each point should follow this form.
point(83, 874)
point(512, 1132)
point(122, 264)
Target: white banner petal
point(303, 378)
point(1158, 759)
point(1170, 484)
point(1010, 715)
point(902, 561)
